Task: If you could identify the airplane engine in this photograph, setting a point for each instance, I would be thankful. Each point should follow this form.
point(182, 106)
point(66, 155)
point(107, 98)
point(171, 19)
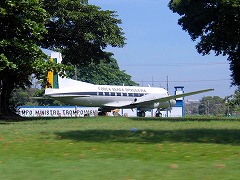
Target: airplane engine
point(165, 105)
point(172, 102)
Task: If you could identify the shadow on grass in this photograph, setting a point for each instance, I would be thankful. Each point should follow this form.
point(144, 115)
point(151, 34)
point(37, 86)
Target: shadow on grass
point(146, 136)
point(179, 119)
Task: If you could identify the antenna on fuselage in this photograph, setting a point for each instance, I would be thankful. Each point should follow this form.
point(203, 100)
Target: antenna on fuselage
point(152, 82)
point(167, 83)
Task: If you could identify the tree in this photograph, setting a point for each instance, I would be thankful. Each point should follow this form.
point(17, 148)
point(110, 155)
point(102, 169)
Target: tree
point(23, 97)
point(191, 107)
point(21, 27)
point(105, 72)
point(212, 105)
point(233, 102)
point(81, 31)
point(215, 24)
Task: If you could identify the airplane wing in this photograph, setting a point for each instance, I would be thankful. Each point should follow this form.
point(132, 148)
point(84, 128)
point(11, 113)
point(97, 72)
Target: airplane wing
point(145, 101)
point(167, 98)
point(39, 98)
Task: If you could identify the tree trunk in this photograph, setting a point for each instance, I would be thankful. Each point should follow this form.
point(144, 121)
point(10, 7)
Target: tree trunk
point(5, 94)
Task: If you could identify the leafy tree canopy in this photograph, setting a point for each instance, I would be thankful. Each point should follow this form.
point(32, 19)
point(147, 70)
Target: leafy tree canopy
point(215, 25)
point(212, 105)
point(21, 27)
point(233, 101)
point(22, 97)
point(81, 31)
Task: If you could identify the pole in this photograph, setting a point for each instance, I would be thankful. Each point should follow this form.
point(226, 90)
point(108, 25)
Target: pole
point(167, 83)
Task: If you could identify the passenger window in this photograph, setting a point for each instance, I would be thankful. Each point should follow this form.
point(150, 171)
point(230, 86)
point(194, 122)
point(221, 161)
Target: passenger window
point(112, 94)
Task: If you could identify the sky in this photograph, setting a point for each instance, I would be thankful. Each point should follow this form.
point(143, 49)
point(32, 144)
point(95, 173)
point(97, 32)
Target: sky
point(158, 49)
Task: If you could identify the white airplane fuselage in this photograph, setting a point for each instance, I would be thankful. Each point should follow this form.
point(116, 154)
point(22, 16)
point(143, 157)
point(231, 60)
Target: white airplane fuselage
point(107, 96)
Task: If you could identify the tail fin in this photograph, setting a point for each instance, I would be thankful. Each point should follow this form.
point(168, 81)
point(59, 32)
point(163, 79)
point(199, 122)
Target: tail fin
point(53, 76)
point(55, 82)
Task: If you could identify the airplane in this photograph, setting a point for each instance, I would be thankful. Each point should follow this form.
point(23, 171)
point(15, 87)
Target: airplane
point(110, 97)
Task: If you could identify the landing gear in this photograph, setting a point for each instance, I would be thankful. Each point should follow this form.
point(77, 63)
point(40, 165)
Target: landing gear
point(103, 112)
point(158, 113)
point(141, 114)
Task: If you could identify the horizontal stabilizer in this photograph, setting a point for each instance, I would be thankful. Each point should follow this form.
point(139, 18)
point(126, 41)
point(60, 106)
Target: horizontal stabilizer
point(39, 98)
point(54, 93)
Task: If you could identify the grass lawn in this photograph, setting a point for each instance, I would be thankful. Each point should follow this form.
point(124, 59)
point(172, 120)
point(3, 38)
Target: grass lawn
point(120, 148)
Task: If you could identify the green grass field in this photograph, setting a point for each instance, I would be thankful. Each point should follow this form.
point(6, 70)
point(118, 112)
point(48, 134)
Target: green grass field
point(120, 148)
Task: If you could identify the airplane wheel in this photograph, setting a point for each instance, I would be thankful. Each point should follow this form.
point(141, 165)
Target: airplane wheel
point(158, 114)
point(102, 113)
point(141, 114)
